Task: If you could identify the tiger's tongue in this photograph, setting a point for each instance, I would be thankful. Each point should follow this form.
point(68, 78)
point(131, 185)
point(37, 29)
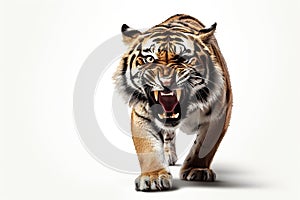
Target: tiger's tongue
point(168, 102)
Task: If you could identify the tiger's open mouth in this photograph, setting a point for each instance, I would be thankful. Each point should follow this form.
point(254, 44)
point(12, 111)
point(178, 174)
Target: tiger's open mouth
point(167, 105)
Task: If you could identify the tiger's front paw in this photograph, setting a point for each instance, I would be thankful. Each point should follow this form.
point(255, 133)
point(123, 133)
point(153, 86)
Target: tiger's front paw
point(198, 174)
point(152, 181)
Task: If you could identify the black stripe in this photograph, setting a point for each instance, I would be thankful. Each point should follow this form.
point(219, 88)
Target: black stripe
point(192, 18)
point(130, 65)
point(136, 96)
point(124, 69)
point(170, 138)
point(160, 134)
point(140, 116)
point(188, 26)
point(164, 25)
point(166, 33)
point(202, 94)
point(176, 39)
point(208, 112)
point(186, 17)
point(183, 30)
point(131, 60)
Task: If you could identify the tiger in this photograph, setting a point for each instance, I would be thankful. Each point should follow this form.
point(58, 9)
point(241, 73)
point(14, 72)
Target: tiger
point(174, 79)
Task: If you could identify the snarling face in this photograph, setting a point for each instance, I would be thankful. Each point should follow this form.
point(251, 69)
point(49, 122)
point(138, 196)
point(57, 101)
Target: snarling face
point(173, 71)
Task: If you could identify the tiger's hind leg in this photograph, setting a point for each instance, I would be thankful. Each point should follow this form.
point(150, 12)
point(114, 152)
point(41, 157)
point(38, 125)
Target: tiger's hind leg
point(196, 166)
point(169, 147)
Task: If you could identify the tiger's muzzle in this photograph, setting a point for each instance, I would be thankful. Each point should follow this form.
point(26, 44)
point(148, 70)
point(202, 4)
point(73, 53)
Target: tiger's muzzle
point(166, 101)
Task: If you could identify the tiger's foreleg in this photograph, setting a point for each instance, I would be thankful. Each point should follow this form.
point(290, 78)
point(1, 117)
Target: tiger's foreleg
point(149, 147)
point(196, 166)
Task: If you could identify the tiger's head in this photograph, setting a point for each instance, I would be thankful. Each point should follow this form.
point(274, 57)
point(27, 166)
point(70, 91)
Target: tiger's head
point(171, 69)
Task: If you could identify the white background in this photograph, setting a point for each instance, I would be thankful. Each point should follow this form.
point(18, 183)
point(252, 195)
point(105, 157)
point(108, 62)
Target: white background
point(43, 45)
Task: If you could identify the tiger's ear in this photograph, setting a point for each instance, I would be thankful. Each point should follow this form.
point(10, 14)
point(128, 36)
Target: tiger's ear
point(129, 34)
point(206, 33)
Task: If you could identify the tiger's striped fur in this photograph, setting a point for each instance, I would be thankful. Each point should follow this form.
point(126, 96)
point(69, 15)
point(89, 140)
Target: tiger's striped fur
point(174, 77)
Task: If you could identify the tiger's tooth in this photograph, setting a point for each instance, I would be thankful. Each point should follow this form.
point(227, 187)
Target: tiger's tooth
point(167, 94)
point(174, 115)
point(160, 116)
point(156, 95)
point(178, 93)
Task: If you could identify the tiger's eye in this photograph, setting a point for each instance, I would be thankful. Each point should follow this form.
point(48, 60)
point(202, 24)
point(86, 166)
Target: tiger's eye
point(149, 59)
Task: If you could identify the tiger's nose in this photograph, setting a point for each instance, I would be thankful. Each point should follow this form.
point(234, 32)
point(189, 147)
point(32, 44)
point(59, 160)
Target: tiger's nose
point(166, 82)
